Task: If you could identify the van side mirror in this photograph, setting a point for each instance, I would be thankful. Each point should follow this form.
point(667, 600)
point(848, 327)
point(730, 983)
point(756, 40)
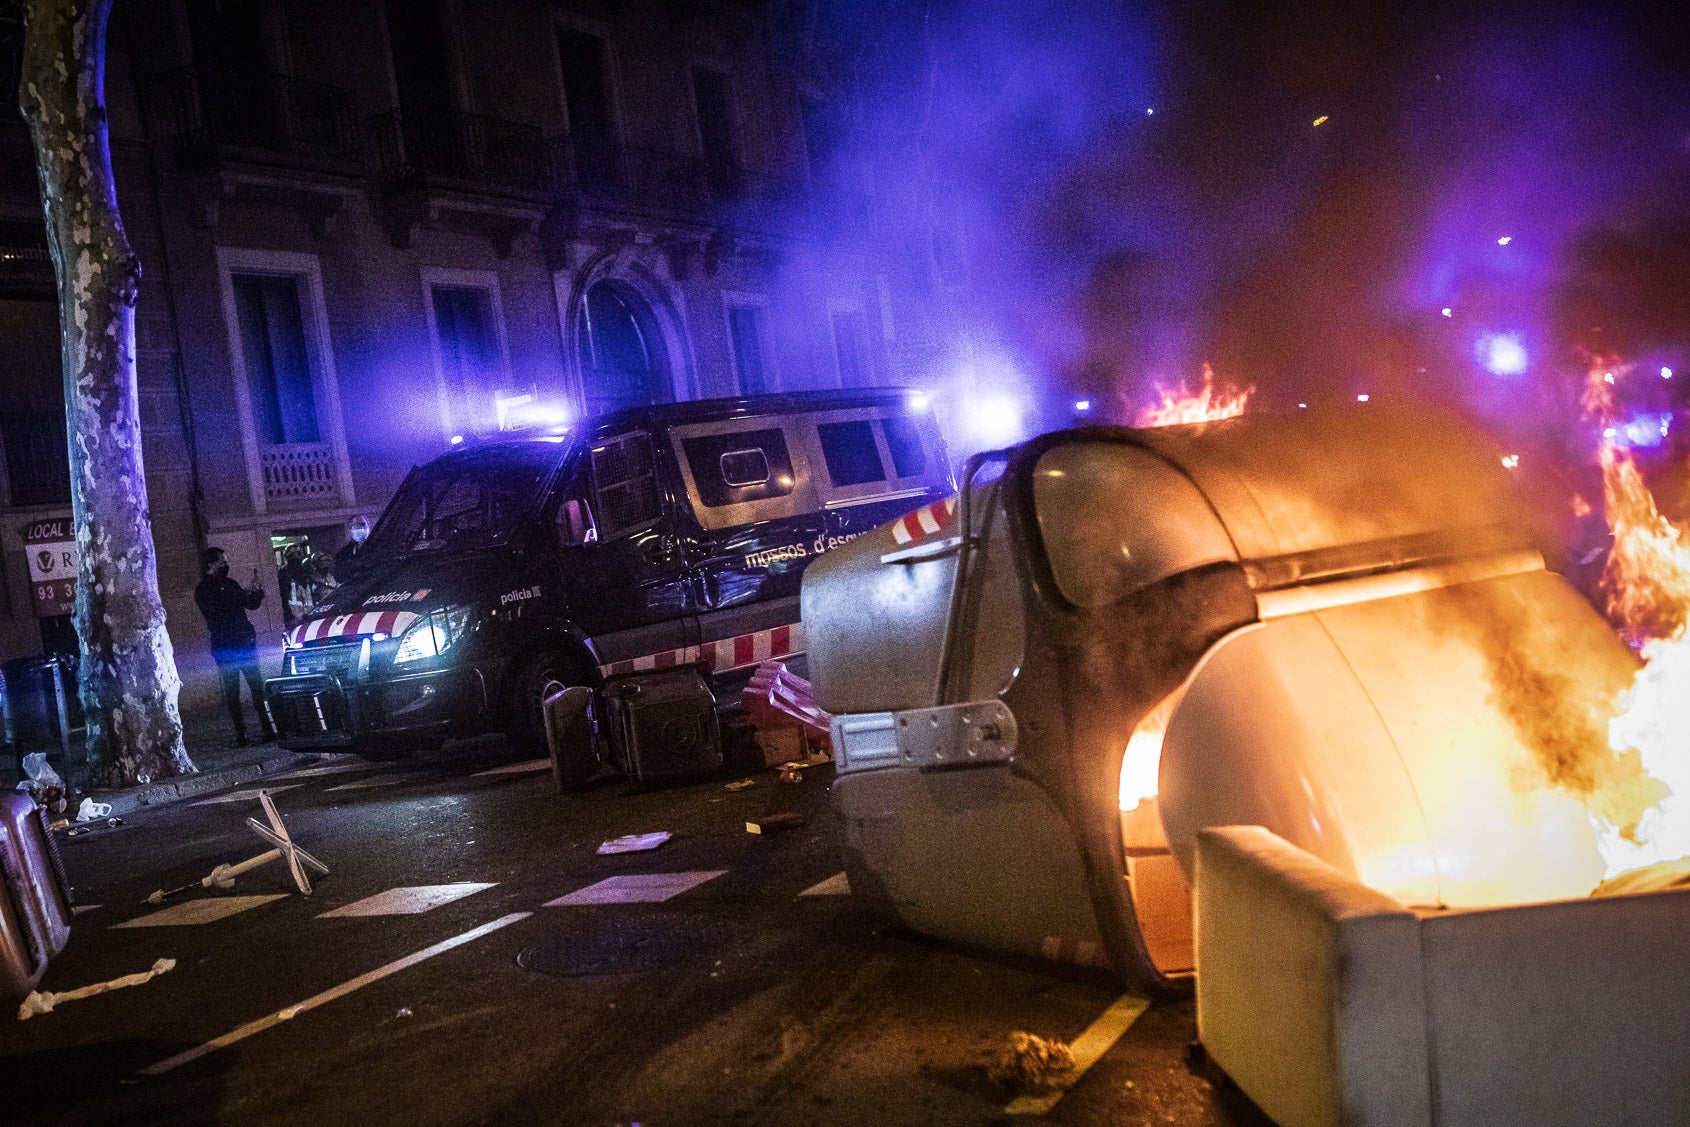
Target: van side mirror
point(575, 525)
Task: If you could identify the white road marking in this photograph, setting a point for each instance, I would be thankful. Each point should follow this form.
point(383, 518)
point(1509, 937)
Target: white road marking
point(81, 908)
point(345, 988)
point(363, 784)
point(1087, 1048)
point(209, 910)
point(835, 885)
point(330, 769)
point(249, 795)
point(408, 901)
point(636, 888)
point(522, 768)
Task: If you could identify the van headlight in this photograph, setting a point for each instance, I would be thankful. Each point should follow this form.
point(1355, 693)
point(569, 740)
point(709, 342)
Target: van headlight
point(432, 634)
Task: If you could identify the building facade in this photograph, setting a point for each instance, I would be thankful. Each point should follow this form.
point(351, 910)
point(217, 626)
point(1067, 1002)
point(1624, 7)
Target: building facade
point(369, 228)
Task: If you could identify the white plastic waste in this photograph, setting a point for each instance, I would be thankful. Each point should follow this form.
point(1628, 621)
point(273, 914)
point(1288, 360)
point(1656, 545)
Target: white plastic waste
point(91, 811)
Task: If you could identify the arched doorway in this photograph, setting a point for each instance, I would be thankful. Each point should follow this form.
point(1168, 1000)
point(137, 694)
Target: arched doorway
point(623, 359)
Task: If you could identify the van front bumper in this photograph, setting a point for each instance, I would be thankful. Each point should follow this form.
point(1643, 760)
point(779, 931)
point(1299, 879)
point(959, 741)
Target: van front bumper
point(314, 711)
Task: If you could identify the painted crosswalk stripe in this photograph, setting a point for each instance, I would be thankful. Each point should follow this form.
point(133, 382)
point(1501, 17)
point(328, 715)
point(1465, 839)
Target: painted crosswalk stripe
point(522, 768)
point(1087, 1048)
point(363, 784)
point(835, 885)
point(249, 795)
point(270, 1021)
point(209, 910)
point(408, 901)
point(636, 888)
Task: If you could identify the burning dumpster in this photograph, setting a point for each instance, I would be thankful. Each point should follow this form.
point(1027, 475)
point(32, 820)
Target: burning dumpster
point(1337, 625)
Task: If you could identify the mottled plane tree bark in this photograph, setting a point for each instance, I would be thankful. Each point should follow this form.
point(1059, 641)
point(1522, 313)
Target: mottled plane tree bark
point(128, 680)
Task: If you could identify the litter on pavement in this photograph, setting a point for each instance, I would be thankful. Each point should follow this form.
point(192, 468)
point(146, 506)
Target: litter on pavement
point(740, 784)
point(91, 811)
point(276, 833)
point(39, 1002)
point(635, 843)
point(782, 707)
point(771, 823)
point(1030, 1065)
point(78, 831)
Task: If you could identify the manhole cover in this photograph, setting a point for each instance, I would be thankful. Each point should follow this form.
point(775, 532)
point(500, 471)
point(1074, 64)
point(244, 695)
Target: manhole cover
point(609, 943)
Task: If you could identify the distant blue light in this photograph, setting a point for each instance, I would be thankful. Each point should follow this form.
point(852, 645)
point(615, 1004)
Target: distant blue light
point(1150, 111)
point(1645, 430)
point(1082, 404)
point(1666, 373)
point(1447, 311)
point(1502, 354)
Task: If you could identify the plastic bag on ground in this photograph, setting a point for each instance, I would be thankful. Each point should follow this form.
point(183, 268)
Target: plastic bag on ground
point(40, 772)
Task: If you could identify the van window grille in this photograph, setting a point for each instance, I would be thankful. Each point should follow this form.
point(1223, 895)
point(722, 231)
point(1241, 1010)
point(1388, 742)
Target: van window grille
point(625, 473)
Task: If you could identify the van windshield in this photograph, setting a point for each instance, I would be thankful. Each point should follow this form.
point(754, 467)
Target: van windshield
point(465, 501)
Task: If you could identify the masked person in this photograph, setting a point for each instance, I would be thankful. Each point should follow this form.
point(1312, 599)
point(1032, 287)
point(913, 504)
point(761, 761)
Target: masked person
point(234, 643)
point(357, 531)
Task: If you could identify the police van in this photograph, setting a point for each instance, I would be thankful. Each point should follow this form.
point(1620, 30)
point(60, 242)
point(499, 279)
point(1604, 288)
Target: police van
point(651, 548)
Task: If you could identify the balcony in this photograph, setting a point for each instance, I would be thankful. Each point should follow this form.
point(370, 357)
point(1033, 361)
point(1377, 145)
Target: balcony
point(298, 475)
point(261, 117)
point(469, 150)
point(640, 178)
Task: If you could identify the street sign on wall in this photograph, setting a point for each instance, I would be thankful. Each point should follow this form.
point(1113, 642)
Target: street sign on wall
point(51, 548)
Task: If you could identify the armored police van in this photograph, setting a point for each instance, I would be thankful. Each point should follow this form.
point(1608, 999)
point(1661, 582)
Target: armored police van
point(653, 551)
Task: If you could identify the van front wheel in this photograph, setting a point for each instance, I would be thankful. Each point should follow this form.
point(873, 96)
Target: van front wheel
point(540, 675)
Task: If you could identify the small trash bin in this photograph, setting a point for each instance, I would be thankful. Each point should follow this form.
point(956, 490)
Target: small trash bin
point(38, 705)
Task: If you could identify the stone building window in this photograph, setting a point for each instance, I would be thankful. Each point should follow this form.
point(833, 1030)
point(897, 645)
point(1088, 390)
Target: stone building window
point(623, 359)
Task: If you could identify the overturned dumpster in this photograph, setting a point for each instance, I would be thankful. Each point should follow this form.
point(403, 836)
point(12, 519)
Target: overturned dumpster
point(1336, 625)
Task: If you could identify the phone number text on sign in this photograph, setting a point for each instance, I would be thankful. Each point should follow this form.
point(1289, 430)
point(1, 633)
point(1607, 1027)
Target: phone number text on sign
point(51, 549)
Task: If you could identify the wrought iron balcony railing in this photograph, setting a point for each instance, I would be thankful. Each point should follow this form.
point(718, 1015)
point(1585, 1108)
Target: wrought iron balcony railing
point(473, 148)
point(640, 177)
point(271, 114)
point(300, 473)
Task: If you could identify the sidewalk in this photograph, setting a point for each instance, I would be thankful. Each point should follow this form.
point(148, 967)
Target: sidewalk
point(220, 767)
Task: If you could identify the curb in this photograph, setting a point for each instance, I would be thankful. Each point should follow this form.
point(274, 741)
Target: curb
point(192, 786)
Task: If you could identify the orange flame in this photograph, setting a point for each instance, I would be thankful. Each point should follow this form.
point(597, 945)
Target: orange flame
point(1182, 406)
point(1143, 754)
point(1646, 583)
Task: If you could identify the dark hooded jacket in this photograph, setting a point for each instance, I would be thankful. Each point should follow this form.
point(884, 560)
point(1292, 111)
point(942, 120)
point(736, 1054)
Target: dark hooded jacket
point(224, 604)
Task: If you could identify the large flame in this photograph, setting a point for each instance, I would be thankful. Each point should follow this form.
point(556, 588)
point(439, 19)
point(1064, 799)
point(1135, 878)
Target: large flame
point(1143, 756)
point(1205, 405)
point(1646, 583)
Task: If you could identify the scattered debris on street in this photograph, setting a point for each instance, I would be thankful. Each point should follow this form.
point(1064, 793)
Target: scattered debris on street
point(91, 811)
point(43, 1002)
point(276, 833)
point(781, 706)
point(635, 843)
point(1030, 1065)
point(773, 823)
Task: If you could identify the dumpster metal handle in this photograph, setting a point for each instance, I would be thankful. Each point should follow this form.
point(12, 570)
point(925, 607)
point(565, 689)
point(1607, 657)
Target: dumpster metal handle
point(959, 581)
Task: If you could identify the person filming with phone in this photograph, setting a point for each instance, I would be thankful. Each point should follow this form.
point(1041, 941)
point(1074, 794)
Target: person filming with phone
point(234, 643)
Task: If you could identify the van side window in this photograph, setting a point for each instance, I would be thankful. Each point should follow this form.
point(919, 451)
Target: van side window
point(625, 478)
point(903, 440)
point(849, 450)
point(741, 466)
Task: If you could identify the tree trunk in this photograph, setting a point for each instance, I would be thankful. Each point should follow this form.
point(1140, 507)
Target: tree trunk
point(128, 679)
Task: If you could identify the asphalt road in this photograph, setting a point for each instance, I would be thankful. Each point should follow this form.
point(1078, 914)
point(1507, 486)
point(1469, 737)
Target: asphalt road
point(740, 999)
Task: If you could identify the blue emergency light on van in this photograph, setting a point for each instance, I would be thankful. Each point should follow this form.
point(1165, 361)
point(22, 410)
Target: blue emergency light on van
point(649, 556)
